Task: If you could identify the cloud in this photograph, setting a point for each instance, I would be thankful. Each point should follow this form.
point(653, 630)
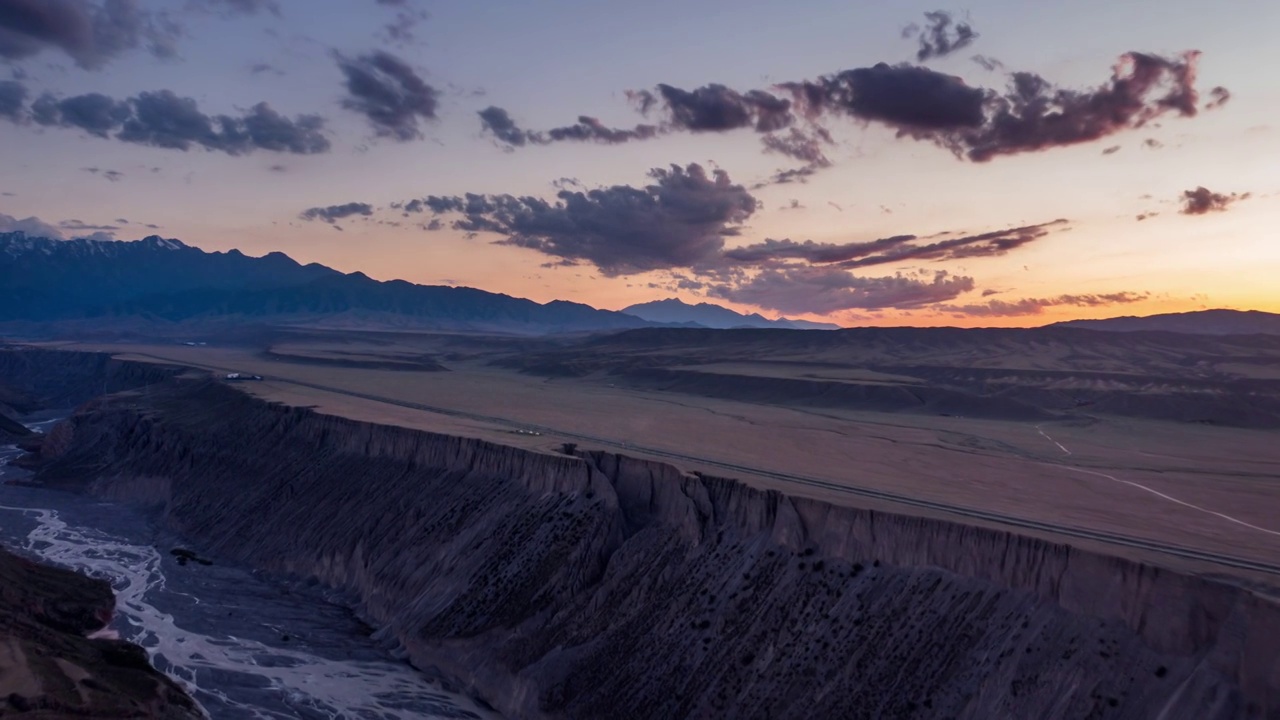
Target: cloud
point(164, 120)
point(1033, 114)
point(1036, 306)
point(1111, 150)
point(1036, 115)
point(989, 64)
point(389, 93)
point(498, 122)
point(716, 108)
point(1218, 97)
point(109, 175)
point(334, 213)
point(898, 248)
point(679, 220)
point(939, 37)
point(1203, 200)
point(13, 96)
point(246, 7)
point(823, 290)
point(33, 226)
point(90, 34)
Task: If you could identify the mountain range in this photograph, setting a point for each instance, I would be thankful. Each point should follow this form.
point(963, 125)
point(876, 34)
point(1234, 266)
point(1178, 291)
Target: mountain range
point(165, 280)
point(676, 312)
point(1201, 322)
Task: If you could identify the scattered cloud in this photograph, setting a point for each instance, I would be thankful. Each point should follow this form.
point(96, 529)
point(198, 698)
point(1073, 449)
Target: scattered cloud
point(940, 36)
point(163, 119)
point(1146, 215)
point(989, 64)
point(1218, 97)
point(91, 34)
point(13, 97)
point(1202, 201)
point(109, 175)
point(244, 7)
point(1036, 306)
point(679, 220)
point(389, 93)
point(898, 248)
point(333, 213)
point(823, 290)
point(498, 122)
point(1111, 150)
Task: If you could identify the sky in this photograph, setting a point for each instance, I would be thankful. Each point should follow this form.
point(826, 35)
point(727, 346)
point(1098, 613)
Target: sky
point(866, 163)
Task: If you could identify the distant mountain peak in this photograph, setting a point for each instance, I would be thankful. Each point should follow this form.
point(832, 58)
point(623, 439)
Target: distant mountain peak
point(675, 311)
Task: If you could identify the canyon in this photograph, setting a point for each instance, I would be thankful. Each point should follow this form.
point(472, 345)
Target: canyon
point(589, 583)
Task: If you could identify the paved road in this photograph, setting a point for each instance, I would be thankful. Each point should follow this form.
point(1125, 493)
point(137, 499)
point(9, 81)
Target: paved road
point(1008, 520)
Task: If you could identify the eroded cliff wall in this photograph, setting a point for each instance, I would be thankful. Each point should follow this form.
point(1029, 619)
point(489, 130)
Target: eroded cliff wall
point(605, 586)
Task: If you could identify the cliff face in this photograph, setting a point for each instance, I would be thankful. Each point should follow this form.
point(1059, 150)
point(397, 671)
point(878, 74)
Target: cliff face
point(48, 668)
point(605, 586)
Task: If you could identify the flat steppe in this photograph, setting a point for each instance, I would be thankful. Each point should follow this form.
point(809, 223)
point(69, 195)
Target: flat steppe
point(1166, 483)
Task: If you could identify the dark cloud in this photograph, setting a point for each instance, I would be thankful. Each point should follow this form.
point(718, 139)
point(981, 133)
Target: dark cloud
point(165, 120)
point(109, 175)
point(940, 36)
point(1152, 144)
point(1203, 200)
point(1036, 115)
point(1218, 97)
point(1031, 114)
point(80, 226)
point(989, 64)
point(680, 220)
point(90, 33)
point(334, 213)
point(498, 122)
point(800, 145)
point(245, 7)
point(402, 30)
point(94, 113)
point(1111, 150)
point(823, 290)
point(389, 93)
point(716, 108)
point(914, 99)
point(13, 96)
point(1146, 215)
point(898, 248)
point(1036, 306)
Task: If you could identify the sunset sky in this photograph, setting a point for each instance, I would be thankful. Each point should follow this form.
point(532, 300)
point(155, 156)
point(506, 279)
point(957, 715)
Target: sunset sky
point(747, 153)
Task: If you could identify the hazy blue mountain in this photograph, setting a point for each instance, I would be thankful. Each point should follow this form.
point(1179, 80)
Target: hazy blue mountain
point(676, 312)
point(1201, 322)
point(157, 279)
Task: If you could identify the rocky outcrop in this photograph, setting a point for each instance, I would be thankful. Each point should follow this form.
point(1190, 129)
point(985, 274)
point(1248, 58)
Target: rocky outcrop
point(33, 379)
point(50, 669)
point(606, 586)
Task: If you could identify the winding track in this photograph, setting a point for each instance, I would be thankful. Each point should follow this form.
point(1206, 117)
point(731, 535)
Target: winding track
point(1008, 520)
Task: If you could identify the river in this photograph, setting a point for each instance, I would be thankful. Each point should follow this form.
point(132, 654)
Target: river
point(244, 645)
